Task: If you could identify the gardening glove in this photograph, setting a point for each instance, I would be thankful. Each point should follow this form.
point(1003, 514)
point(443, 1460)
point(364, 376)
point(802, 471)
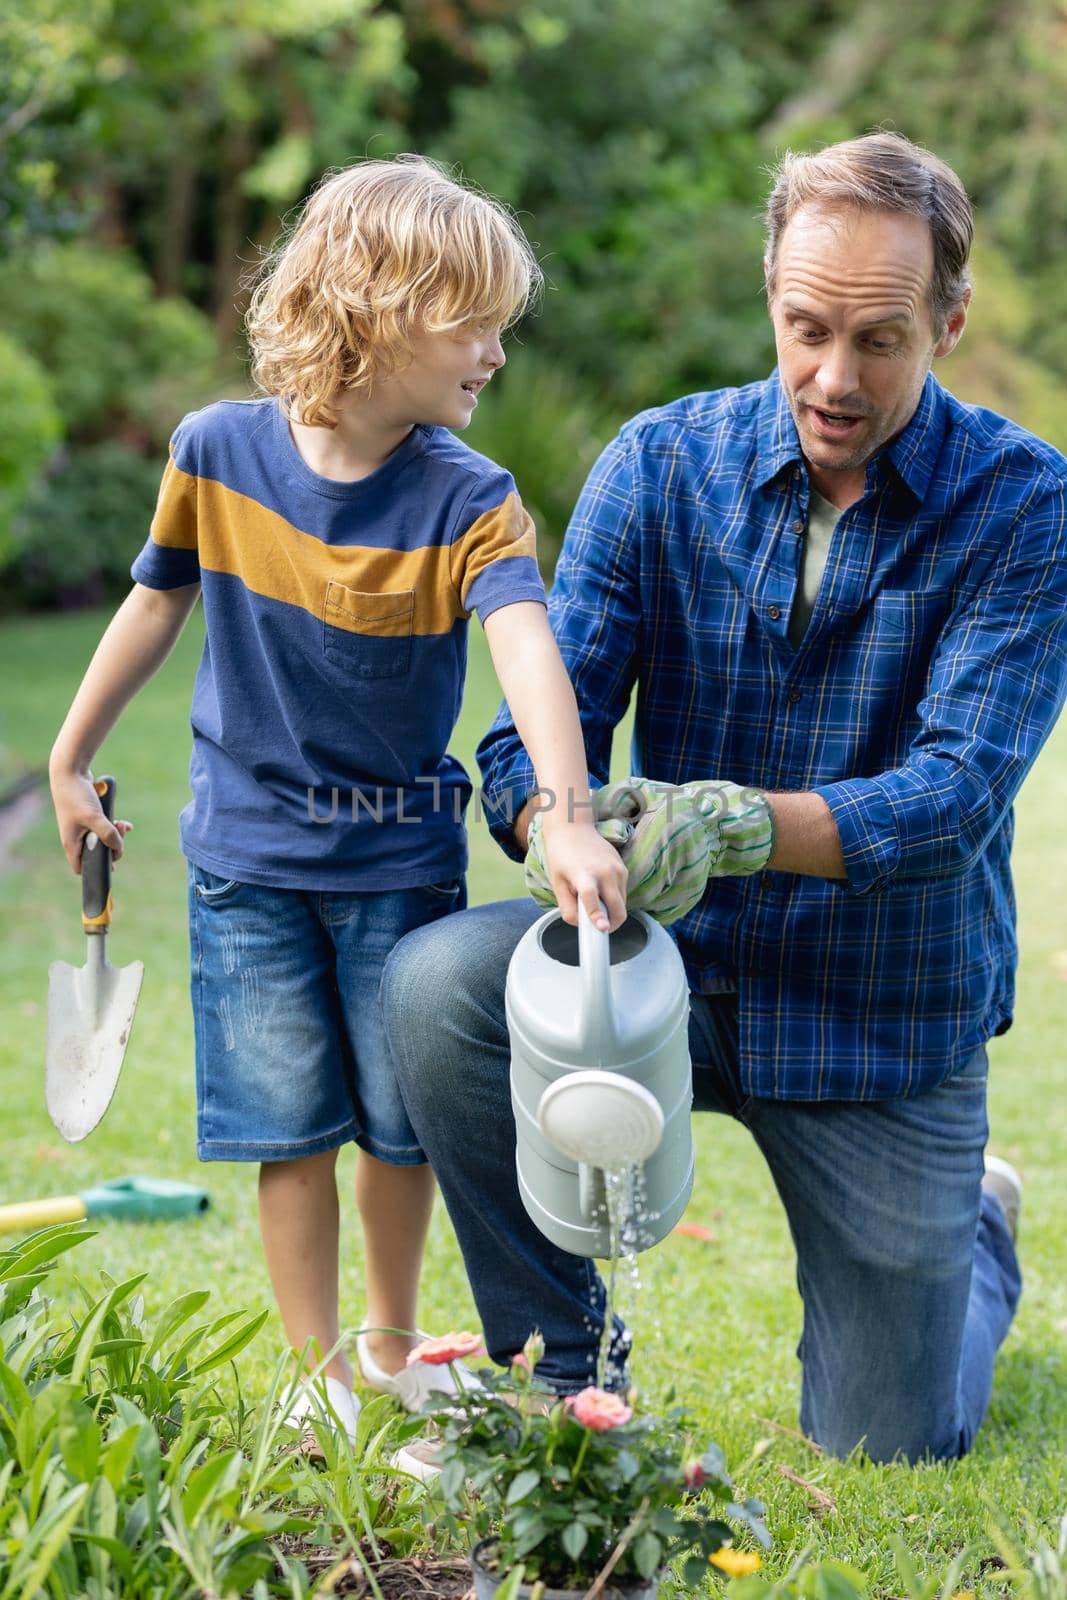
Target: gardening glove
point(663, 844)
point(664, 841)
point(672, 839)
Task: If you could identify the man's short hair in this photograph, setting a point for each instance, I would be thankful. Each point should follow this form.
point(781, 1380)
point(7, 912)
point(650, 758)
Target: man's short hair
point(381, 251)
point(881, 172)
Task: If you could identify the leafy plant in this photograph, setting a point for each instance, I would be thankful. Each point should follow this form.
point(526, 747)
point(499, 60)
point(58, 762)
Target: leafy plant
point(565, 1486)
point(115, 1474)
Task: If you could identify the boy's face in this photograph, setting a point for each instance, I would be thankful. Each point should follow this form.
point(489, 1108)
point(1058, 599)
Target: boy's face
point(442, 382)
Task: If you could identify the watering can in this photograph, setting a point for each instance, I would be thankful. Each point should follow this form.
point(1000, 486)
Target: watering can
point(601, 1080)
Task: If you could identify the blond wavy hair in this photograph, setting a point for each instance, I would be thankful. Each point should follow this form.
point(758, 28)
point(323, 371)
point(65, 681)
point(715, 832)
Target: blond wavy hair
point(381, 251)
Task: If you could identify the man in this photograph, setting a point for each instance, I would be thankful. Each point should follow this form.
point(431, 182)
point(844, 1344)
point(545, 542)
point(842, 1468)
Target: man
point(847, 589)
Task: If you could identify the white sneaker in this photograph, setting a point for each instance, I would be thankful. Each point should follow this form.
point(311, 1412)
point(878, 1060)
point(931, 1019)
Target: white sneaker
point(413, 1386)
point(336, 1405)
point(1003, 1182)
point(420, 1458)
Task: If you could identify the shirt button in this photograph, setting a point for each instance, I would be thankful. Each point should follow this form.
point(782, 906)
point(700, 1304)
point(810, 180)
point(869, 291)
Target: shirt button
point(797, 525)
point(794, 696)
point(774, 612)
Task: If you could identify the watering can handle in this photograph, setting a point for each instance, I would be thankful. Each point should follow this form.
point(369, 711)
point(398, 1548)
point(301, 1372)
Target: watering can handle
point(597, 1019)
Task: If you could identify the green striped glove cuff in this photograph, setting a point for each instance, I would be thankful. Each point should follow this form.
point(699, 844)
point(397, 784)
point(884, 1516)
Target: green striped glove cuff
point(742, 823)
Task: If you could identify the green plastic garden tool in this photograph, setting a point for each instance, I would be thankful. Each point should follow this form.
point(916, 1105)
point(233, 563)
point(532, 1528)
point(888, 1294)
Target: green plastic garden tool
point(136, 1199)
point(90, 1008)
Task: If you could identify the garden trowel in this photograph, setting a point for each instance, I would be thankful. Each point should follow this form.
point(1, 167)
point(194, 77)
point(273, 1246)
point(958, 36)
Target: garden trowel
point(90, 1008)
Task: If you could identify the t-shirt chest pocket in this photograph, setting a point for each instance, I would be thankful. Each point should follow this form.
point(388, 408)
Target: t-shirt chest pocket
point(368, 635)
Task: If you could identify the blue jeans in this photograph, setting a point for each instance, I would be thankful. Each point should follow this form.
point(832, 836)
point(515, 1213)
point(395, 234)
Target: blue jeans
point(906, 1267)
point(291, 1057)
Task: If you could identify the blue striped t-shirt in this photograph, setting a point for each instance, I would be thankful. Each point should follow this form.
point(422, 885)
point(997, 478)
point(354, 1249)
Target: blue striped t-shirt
point(332, 671)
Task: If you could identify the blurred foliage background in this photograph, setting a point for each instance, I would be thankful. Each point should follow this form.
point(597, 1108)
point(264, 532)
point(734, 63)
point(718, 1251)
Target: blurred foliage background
point(149, 153)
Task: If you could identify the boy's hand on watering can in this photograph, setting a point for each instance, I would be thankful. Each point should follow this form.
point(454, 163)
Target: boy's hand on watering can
point(570, 861)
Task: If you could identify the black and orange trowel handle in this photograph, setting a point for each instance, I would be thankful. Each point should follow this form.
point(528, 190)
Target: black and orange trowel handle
point(96, 867)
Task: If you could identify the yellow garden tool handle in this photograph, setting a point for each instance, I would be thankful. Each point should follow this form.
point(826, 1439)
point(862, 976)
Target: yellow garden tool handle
point(30, 1214)
point(96, 867)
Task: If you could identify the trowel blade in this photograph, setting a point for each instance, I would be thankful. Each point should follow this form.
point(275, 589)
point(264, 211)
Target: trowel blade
point(90, 1014)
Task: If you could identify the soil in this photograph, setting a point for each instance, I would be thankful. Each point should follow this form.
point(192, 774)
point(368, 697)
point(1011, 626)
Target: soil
point(417, 1578)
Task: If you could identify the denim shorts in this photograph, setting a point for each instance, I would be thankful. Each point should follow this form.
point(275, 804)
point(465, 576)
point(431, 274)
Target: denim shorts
point(291, 1057)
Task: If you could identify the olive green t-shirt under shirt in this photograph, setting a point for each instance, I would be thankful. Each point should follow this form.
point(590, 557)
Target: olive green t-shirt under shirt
point(822, 520)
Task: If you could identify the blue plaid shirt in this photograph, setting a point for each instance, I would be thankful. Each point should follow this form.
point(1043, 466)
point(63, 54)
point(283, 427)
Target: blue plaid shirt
point(931, 672)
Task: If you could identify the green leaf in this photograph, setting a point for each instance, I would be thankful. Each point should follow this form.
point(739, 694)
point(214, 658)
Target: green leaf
point(451, 1481)
point(40, 1248)
point(82, 1345)
point(232, 1346)
point(648, 1554)
point(116, 1456)
point(511, 1585)
point(523, 1484)
point(830, 1583)
point(220, 1471)
point(532, 1537)
point(179, 1311)
point(15, 1393)
point(79, 1442)
point(34, 1561)
point(114, 1548)
point(574, 1539)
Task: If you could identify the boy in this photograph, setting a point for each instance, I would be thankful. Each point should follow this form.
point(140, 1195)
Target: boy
point(340, 535)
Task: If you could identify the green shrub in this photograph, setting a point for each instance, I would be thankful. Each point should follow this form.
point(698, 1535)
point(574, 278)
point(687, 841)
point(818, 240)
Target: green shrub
point(92, 320)
point(82, 523)
point(131, 1467)
point(29, 428)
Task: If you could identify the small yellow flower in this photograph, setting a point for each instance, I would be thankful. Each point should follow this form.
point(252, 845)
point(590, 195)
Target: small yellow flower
point(738, 1563)
point(963, 1594)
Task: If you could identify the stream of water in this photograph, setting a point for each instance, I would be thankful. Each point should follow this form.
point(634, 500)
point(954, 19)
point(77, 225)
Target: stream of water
point(625, 1211)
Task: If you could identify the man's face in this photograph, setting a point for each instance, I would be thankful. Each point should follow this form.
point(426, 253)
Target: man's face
point(852, 323)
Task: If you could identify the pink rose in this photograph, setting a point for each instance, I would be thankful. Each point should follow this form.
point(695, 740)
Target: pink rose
point(449, 1347)
point(596, 1409)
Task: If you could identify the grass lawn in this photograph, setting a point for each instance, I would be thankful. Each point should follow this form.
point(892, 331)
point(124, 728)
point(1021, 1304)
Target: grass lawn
point(717, 1320)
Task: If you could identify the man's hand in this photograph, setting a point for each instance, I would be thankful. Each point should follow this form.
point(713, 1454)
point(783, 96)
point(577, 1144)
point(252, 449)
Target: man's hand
point(672, 838)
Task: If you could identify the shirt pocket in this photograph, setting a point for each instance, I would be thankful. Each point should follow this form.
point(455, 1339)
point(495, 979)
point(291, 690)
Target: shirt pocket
point(369, 635)
point(904, 614)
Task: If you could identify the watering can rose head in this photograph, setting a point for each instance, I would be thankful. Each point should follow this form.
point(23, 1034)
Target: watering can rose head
point(563, 1484)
